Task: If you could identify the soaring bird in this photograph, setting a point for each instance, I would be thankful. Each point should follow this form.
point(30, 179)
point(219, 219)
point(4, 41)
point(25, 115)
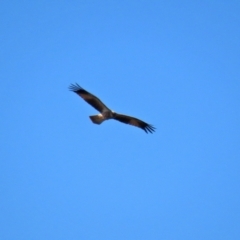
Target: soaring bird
point(106, 113)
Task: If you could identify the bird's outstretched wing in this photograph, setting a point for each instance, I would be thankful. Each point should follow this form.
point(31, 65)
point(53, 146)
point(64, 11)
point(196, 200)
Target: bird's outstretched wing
point(134, 122)
point(89, 98)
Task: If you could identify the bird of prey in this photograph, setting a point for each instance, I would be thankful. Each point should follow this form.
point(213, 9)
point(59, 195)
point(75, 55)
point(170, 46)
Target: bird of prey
point(106, 113)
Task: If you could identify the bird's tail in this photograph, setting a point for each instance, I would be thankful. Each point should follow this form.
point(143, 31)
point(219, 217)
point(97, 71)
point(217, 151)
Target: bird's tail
point(97, 119)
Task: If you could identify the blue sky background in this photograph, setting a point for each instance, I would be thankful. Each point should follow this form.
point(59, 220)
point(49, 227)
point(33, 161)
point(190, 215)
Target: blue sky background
point(174, 64)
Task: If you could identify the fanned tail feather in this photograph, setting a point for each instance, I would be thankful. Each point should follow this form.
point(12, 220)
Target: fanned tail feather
point(97, 119)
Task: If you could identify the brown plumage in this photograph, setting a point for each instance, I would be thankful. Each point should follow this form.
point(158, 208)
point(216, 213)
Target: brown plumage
point(106, 113)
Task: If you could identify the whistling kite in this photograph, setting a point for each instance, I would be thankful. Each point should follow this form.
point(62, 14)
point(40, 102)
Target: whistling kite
point(106, 113)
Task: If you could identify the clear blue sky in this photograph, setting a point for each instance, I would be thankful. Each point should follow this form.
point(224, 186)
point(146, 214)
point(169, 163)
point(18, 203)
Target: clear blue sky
point(174, 64)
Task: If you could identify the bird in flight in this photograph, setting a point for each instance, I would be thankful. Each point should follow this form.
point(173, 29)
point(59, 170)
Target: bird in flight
point(106, 113)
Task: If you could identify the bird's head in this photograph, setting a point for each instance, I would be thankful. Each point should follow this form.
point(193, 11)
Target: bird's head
point(113, 113)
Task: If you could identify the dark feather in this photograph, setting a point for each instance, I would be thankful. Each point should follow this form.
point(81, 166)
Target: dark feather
point(134, 122)
point(88, 97)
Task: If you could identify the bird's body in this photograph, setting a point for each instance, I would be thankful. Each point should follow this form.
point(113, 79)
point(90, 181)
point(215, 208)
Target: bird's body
point(106, 113)
point(98, 119)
